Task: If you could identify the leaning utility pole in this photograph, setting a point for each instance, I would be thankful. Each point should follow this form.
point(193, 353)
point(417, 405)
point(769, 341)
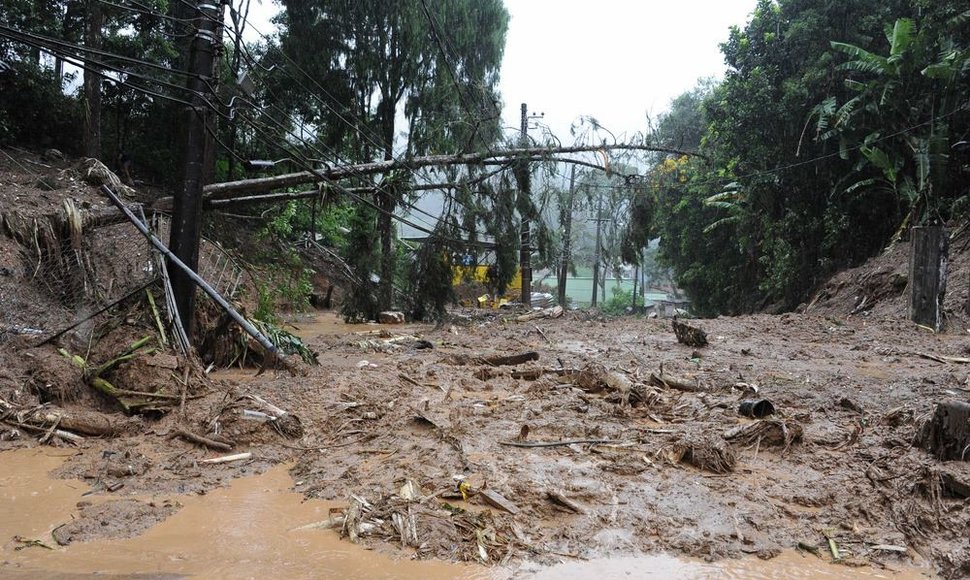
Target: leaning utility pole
point(596, 250)
point(196, 124)
point(525, 250)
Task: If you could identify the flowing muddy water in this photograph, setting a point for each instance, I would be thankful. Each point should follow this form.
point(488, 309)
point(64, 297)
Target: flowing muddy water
point(252, 529)
point(246, 530)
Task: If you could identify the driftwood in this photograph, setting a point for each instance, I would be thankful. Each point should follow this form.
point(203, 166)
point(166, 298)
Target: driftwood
point(228, 458)
point(495, 360)
point(947, 433)
point(554, 312)
point(689, 335)
point(497, 500)
point(671, 382)
point(200, 440)
point(561, 499)
point(558, 443)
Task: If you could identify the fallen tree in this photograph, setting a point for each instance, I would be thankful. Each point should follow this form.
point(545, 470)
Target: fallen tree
point(230, 189)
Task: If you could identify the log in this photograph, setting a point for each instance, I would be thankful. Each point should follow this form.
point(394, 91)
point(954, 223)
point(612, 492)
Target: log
point(510, 360)
point(669, 382)
point(561, 499)
point(200, 440)
point(228, 458)
point(947, 434)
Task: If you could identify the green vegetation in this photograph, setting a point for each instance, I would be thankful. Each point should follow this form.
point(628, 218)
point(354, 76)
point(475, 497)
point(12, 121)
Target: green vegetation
point(836, 126)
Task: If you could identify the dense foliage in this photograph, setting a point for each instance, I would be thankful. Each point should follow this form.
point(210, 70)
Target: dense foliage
point(837, 125)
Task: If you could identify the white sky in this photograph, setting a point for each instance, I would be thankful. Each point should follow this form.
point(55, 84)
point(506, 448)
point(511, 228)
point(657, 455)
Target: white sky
point(615, 60)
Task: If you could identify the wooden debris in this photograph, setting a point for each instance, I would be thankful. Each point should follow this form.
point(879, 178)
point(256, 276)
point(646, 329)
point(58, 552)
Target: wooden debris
point(497, 500)
point(200, 440)
point(495, 360)
point(689, 335)
point(558, 443)
point(228, 458)
point(766, 432)
point(955, 479)
point(944, 359)
point(390, 317)
point(947, 433)
point(559, 498)
point(554, 312)
point(672, 382)
point(534, 374)
point(705, 452)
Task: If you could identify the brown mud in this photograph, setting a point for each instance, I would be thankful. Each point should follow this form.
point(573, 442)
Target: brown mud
point(857, 392)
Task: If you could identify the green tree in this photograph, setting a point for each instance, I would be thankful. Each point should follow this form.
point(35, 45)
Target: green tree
point(433, 61)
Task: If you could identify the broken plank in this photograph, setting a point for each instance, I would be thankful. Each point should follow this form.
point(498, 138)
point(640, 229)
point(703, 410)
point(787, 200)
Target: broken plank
point(559, 498)
point(497, 500)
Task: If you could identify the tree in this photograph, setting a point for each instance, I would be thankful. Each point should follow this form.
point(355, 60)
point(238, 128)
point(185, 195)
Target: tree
point(899, 122)
point(389, 58)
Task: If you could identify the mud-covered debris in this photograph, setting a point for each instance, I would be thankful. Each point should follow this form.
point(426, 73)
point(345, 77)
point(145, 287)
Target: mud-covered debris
point(771, 433)
point(117, 519)
point(668, 381)
point(946, 435)
point(689, 335)
point(498, 360)
point(390, 317)
point(705, 452)
point(559, 498)
point(554, 312)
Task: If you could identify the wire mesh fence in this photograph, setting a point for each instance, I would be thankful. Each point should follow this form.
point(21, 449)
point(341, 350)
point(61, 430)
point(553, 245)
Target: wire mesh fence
point(72, 269)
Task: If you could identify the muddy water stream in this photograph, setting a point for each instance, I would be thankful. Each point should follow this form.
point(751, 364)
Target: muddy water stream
point(251, 529)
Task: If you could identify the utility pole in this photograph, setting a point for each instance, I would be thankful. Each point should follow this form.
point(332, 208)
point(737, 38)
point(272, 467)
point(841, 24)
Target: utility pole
point(596, 250)
point(567, 219)
point(196, 124)
point(93, 21)
point(525, 249)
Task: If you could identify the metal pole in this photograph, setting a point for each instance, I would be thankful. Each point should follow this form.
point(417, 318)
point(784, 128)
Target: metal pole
point(187, 208)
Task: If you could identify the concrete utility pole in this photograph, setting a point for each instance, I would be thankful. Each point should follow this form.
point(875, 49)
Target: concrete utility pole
point(525, 250)
point(566, 239)
point(596, 250)
point(196, 124)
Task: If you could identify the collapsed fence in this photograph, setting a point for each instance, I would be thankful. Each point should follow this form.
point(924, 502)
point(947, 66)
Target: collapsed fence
point(75, 266)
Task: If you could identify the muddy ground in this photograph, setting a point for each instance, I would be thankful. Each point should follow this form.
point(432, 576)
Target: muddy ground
point(613, 439)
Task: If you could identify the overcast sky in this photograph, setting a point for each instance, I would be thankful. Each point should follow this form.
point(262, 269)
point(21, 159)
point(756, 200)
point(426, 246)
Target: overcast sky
point(615, 60)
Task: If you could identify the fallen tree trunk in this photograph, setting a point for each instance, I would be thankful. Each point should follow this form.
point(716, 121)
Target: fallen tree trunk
point(227, 189)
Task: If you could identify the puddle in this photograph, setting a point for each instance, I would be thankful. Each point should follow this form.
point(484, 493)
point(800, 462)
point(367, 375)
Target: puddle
point(250, 530)
point(315, 324)
point(788, 565)
point(246, 530)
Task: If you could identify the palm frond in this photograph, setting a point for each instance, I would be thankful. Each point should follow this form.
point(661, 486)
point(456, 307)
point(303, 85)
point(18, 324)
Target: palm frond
point(902, 38)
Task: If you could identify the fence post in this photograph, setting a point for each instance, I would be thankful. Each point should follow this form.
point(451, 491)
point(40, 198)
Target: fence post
point(927, 275)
